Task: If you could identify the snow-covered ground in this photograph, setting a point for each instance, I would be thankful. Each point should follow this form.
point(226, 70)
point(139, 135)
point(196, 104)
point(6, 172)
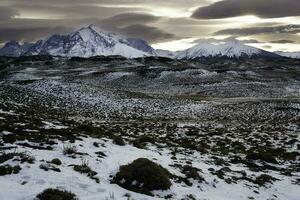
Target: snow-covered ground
point(211, 117)
point(32, 180)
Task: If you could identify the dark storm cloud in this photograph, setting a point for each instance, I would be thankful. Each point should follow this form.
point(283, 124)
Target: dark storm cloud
point(7, 13)
point(75, 11)
point(28, 34)
point(125, 19)
point(173, 3)
point(148, 33)
point(133, 25)
point(213, 40)
point(291, 29)
point(283, 41)
point(260, 8)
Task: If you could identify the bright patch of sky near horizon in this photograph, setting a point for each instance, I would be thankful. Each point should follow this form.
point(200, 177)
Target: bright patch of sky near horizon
point(166, 25)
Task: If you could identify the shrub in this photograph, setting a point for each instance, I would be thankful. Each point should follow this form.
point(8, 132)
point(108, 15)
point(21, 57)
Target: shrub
point(48, 167)
point(9, 138)
point(69, 150)
point(55, 194)
point(27, 158)
point(143, 176)
point(119, 140)
point(192, 172)
point(141, 141)
point(85, 169)
point(263, 156)
point(7, 156)
point(263, 179)
point(8, 169)
point(56, 161)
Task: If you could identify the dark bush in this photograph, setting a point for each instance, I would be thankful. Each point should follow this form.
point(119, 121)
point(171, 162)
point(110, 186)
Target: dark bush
point(85, 169)
point(119, 140)
point(192, 172)
point(55, 194)
point(263, 179)
point(6, 156)
point(69, 150)
point(141, 141)
point(9, 138)
point(143, 176)
point(263, 156)
point(56, 161)
point(48, 167)
point(8, 169)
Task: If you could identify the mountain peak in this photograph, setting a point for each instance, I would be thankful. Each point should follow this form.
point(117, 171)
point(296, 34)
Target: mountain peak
point(90, 41)
point(93, 27)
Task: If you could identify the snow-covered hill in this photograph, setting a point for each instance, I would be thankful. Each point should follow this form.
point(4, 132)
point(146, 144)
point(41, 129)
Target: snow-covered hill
point(295, 55)
point(86, 42)
point(232, 49)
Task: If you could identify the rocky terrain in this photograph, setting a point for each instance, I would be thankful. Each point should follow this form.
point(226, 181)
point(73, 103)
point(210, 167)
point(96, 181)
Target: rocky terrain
point(149, 128)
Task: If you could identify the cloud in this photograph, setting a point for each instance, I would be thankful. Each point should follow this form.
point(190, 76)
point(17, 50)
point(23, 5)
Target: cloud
point(125, 19)
point(28, 34)
point(72, 11)
point(7, 13)
point(173, 3)
point(260, 8)
point(282, 41)
point(267, 46)
point(228, 39)
point(148, 33)
point(32, 30)
point(291, 29)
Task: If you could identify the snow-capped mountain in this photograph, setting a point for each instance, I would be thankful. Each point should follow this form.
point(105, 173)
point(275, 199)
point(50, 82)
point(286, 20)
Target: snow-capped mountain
point(86, 42)
point(295, 55)
point(14, 49)
point(232, 49)
point(89, 41)
point(92, 41)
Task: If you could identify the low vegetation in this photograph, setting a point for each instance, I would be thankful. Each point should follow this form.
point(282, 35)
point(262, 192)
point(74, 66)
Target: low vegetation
point(143, 176)
point(84, 168)
point(8, 169)
point(56, 194)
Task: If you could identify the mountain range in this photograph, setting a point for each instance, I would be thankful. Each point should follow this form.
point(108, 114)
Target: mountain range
point(295, 55)
point(91, 41)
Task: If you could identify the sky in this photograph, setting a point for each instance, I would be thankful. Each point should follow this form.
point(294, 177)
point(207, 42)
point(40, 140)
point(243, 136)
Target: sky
point(172, 25)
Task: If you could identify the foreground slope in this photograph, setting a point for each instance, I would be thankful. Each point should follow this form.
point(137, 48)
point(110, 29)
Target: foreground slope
point(224, 129)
